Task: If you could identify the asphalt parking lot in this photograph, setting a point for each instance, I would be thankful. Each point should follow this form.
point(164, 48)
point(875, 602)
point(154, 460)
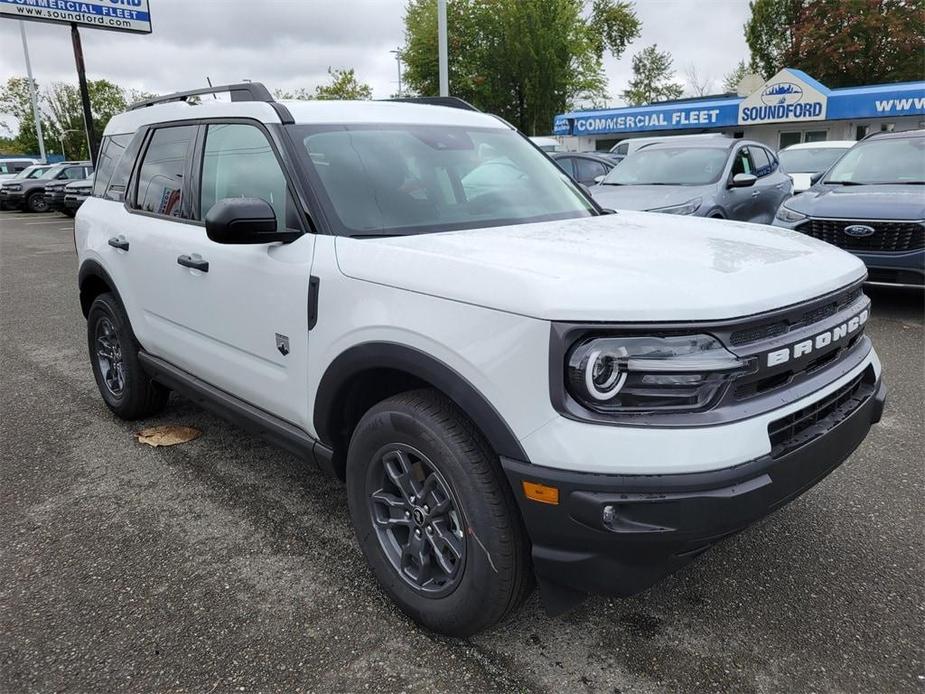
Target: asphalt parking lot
point(226, 565)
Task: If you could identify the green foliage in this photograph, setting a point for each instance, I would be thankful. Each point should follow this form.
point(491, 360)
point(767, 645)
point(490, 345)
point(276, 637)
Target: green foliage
point(524, 60)
point(62, 114)
point(344, 85)
point(732, 78)
point(652, 75)
point(839, 42)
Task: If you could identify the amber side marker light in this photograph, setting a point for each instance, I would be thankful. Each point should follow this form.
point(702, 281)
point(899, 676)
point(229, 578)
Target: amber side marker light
point(541, 493)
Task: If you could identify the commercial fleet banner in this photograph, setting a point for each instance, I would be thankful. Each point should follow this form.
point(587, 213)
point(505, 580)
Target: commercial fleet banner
point(116, 15)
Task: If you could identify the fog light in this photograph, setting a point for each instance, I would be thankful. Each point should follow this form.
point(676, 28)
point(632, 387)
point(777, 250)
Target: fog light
point(610, 513)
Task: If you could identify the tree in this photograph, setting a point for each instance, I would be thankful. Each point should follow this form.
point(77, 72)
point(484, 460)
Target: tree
point(16, 101)
point(344, 85)
point(652, 75)
point(839, 43)
point(697, 85)
point(524, 60)
point(732, 78)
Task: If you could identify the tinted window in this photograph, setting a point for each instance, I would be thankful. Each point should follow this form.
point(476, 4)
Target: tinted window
point(670, 166)
point(623, 149)
point(238, 162)
point(408, 179)
point(160, 179)
point(565, 163)
point(74, 173)
point(588, 169)
point(742, 164)
point(760, 160)
point(111, 152)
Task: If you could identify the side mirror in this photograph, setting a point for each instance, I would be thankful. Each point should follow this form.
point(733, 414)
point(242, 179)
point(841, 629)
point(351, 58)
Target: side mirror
point(598, 179)
point(743, 180)
point(243, 220)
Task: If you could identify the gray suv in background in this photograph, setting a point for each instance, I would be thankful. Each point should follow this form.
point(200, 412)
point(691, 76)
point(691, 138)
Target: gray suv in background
point(29, 194)
point(713, 177)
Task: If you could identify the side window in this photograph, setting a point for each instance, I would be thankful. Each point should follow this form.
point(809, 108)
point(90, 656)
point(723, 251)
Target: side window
point(742, 163)
point(588, 170)
point(565, 163)
point(623, 149)
point(160, 178)
point(110, 153)
point(239, 162)
point(760, 160)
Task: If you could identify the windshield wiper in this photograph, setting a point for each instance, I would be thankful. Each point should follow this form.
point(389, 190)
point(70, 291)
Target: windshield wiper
point(845, 183)
point(610, 183)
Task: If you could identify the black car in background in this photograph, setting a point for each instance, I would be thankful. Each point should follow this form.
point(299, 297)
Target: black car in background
point(871, 203)
point(584, 167)
point(75, 194)
point(29, 194)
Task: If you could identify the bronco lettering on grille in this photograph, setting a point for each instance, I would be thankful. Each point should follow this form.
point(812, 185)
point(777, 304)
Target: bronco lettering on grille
point(804, 347)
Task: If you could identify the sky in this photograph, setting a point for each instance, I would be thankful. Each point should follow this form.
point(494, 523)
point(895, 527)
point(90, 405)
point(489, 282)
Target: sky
point(291, 43)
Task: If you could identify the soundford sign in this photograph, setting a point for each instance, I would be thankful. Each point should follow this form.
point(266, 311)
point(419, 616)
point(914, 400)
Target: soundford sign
point(117, 15)
point(791, 95)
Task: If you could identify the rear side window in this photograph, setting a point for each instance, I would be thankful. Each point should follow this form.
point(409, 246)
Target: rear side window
point(623, 149)
point(742, 163)
point(565, 163)
point(761, 161)
point(160, 179)
point(588, 170)
point(111, 152)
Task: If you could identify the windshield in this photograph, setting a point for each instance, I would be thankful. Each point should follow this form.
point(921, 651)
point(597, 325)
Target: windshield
point(34, 172)
point(412, 179)
point(900, 160)
point(809, 160)
point(670, 166)
point(51, 172)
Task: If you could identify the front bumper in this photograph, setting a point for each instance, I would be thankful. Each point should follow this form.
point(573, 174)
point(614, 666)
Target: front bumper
point(12, 199)
point(658, 523)
point(72, 202)
point(55, 200)
point(900, 269)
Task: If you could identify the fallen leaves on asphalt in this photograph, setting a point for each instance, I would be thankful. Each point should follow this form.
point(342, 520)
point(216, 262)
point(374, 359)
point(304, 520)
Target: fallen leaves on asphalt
point(167, 435)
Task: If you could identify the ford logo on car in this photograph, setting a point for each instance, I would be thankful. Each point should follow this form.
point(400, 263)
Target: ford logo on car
point(859, 231)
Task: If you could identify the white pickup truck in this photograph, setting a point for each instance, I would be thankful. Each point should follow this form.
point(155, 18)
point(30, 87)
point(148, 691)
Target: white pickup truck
point(514, 384)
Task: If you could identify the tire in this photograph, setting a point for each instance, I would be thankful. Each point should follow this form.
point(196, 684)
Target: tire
point(471, 510)
point(67, 212)
point(126, 388)
point(36, 203)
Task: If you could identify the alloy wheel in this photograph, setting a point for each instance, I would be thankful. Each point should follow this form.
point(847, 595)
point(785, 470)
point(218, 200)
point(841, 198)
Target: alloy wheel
point(109, 356)
point(417, 520)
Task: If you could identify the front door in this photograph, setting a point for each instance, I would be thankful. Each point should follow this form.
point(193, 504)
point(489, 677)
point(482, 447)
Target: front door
point(235, 316)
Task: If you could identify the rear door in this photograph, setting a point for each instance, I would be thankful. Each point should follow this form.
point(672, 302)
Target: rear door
point(769, 189)
point(741, 202)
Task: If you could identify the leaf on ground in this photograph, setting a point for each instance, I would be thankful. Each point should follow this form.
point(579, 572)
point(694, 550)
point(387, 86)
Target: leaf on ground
point(167, 435)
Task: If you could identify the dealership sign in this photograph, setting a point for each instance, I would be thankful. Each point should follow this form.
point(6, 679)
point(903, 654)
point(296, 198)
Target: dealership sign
point(791, 95)
point(116, 15)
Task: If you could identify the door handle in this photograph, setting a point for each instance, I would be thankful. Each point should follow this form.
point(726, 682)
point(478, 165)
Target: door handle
point(194, 262)
point(119, 242)
point(756, 193)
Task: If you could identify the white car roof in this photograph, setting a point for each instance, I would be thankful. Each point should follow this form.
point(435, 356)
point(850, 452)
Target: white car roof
point(308, 112)
point(824, 144)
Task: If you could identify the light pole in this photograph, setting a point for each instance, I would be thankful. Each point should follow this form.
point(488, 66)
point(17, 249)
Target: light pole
point(61, 140)
point(36, 113)
point(442, 49)
point(397, 53)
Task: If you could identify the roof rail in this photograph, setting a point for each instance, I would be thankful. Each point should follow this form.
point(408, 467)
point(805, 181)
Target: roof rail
point(244, 91)
point(448, 101)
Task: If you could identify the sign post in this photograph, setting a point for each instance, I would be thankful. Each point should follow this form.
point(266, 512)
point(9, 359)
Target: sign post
point(36, 113)
point(132, 16)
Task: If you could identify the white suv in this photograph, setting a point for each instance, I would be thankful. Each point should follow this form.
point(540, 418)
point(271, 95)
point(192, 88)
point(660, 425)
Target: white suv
point(512, 383)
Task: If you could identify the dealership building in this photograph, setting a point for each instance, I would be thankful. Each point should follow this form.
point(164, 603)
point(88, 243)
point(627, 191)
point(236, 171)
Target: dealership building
point(789, 108)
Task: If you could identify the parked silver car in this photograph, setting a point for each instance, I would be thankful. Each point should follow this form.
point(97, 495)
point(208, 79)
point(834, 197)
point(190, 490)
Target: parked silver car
point(713, 177)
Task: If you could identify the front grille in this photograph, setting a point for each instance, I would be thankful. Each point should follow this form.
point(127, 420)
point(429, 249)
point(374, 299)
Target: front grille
point(804, 425)
point(889, 237)
point(781, 327)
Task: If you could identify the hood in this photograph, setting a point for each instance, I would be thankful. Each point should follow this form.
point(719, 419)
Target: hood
point(630, 266)
point(646, 197)
point(862, 202)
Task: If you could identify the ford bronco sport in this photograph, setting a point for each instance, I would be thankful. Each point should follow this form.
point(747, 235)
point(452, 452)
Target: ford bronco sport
point(514, 385)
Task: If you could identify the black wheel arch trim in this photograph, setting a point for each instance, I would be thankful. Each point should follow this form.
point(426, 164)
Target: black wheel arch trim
point(370, 356)
point(93, 269)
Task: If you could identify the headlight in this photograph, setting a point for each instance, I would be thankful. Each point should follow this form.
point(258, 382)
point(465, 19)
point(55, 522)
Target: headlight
point(641, 374)
point(14, 186)
point(688, 207)
point(785, 214)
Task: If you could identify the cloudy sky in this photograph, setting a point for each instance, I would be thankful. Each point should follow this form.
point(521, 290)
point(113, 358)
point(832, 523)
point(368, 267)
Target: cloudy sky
point(291, 43)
